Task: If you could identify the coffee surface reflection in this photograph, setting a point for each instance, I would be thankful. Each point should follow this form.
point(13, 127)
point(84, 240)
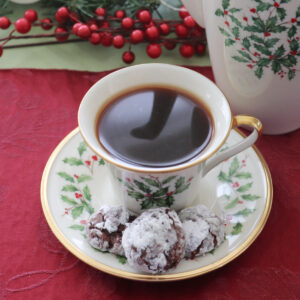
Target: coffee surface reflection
point(154, 127)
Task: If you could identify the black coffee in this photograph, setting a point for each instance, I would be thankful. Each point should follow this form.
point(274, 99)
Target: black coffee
point(154, 127)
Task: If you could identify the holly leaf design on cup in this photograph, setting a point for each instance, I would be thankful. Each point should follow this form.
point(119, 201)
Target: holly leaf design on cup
point(152, 192)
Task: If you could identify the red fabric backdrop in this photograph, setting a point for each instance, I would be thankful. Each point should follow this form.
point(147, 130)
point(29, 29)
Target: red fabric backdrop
point(37, 109)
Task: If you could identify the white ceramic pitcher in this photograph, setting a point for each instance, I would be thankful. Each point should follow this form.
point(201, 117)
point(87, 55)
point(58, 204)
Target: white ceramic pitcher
point(254, 47)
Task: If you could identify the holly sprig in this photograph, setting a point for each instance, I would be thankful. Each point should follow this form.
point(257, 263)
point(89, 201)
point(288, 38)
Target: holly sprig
point(86, 8)
point(258, 36)
point(152, 192)
point(74, 194)
point(101, 27)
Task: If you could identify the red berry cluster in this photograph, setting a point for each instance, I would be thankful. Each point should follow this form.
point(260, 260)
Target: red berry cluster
point(119, 29)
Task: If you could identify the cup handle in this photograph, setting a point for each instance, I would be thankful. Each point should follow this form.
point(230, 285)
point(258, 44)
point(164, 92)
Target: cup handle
point(244, 144)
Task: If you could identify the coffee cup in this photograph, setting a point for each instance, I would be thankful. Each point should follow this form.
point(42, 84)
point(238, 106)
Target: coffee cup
point(142, 186)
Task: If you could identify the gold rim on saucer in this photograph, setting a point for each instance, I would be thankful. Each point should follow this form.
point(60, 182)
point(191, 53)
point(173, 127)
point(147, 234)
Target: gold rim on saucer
point(144, 277)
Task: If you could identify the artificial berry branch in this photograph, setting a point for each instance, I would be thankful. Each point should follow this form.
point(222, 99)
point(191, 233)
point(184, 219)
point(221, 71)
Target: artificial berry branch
point(115, 30)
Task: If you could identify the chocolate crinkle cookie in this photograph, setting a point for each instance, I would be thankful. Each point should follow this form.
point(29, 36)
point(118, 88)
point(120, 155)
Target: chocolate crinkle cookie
point(204, 230)
point(154, 242)
point(104, 229)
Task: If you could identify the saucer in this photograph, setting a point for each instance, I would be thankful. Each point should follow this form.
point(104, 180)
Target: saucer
point(76, 182)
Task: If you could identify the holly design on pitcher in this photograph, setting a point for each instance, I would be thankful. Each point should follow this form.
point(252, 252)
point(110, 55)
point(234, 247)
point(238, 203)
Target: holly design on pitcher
point(152, 192)
point(239, 198)
point(257, 34)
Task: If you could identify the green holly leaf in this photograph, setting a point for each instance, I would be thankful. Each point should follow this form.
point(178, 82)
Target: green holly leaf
point(294, 46)
point(276, 67)
point(297, 12)
point(84, 177)
point(263, 6)
point(229, 42)
point(257, 39)
point(225, 4)
point(271, 24)
point(234, 10)
point(263, 62)
point(245, 54)
point(250, 197)
point(224, 177)
point(292, 59)
point(161, 192)
point(77, 227)
point(244, 175)
point(291, 74)
point(285, 1)
point(292, 31)
point(101, 162)
point(121, 259)
point(252, 28)
point(234, 166)
point(281, 13)
point(262, 49)
point(236, 32)
point(232, 204)
point(224, 32)
point(66, 176)
point(278, 29)
point(179, 182)
point(169, 179)
point(86, 193)
point(128, 185)
point(259, 23)
point(77, 211)
point(240, 59)
point(286, 62)
point(146, 204)
point(68, 200)
point(81, 148)
point(169, 201)
point(219, 12)
point(151, 181)
point(279, 52)
point(259, 72)
point(135, 195)
point(236, 21)
point(245, 212)
point(271, 42)
point(88, 207)
point(73, 161)
point(245, 188)
point(162, 202)
point(143, 187)
point(69, 188)
point(237, 228)
point(246, 43)
point(182, 188)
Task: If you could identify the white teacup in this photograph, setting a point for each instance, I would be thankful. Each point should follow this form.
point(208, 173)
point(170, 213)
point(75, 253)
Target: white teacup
point(142, 187)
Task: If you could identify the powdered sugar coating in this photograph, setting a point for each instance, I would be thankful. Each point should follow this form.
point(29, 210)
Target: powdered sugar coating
point(104, 229)
point(204, 230)
point(155, 241)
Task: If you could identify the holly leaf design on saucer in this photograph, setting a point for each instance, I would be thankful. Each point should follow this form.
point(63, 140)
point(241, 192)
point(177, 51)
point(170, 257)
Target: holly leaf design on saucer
point(238, 181)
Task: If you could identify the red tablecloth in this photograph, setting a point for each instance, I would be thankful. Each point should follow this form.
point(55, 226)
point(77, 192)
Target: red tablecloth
point(37, 109)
